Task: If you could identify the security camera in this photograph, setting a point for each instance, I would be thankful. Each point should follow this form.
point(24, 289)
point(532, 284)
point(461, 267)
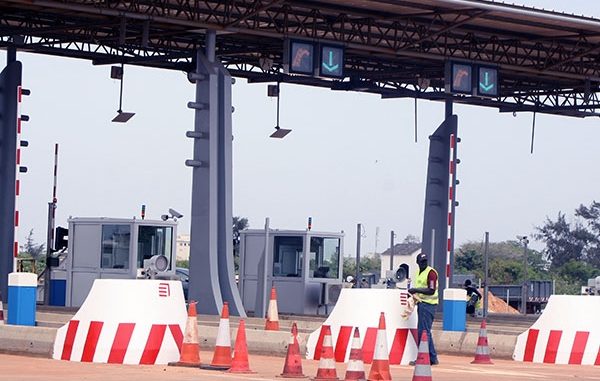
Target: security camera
point(175, 213)
point(164, 217)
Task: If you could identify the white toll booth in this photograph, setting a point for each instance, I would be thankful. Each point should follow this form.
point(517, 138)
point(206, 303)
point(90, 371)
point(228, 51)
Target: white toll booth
point(110, 248)
point(304, 266)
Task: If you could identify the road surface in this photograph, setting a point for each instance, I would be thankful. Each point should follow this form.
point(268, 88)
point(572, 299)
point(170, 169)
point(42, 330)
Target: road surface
point(451, 368)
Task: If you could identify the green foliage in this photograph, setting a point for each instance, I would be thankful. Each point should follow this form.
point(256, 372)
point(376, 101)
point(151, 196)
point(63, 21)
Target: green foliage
point(505, 262)
point(239, 224)
point(367, 264)
point(33, 256)
point(33, 249)
point(573, 248)
point(185, 263)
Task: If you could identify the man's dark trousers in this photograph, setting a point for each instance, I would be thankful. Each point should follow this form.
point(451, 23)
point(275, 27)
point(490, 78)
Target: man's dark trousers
point(425, 314)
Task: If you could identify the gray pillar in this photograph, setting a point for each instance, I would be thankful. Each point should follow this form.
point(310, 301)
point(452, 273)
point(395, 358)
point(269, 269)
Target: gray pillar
point(10, 79)
point(212, 275)
point(435, 216)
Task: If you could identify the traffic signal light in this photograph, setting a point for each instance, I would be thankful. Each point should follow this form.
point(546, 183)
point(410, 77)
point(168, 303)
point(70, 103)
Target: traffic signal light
point(62, 238)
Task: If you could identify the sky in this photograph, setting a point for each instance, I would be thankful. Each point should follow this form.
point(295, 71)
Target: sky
point(351, 158)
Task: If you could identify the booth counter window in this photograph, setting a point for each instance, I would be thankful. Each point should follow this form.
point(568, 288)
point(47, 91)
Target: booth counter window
point(115, 246)
point(324, 257)
point(287, 256)
point(154, 240)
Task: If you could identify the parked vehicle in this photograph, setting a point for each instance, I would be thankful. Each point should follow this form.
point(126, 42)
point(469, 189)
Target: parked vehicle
point(184, 276)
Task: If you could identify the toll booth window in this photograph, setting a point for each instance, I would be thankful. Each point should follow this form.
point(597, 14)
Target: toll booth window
point(115, 246)
point(324, 257)
point(287, 256)
point(154, 240)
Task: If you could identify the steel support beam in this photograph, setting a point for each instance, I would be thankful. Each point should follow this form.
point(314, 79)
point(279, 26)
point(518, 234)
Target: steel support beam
point(10, 79)
point(212, 277)
point(435, 216)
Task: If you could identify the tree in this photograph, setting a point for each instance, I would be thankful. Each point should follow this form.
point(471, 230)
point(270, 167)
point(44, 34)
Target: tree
point(505, 262)
point(33, 255)
point(239, 224)
point(367, 264)
point(36, 251)
point(572, 248)
point(411, 239)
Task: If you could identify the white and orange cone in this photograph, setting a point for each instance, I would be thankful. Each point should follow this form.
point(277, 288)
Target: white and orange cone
point(356, 366)
point(423, 364)
point(272, 323)
point(380, 368)
point(293, 361)
point(222, 355)
point(240, 363)
point(190, 349)
point(326, 369)
point(482, 353)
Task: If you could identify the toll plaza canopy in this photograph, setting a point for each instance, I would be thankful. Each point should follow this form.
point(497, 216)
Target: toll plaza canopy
point(547, 61)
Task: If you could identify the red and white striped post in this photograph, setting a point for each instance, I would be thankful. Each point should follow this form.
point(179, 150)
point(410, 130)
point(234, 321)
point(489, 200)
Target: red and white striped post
point(17, 180)
point(50, 237)
point(451, 195)
point(54, 199)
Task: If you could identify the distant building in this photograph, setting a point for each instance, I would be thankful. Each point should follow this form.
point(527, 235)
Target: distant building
point(403, 253)
point(183, 247)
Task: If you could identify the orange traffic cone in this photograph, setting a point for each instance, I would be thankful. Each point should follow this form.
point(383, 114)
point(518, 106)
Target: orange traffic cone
point(380, 368)
point(222, 355)
point(190, 349)
point(293, 361)
point(326, 369)
point(240, 363)
point(482, 353)
point(272, 323)
point(423, 365)
point(356, 366)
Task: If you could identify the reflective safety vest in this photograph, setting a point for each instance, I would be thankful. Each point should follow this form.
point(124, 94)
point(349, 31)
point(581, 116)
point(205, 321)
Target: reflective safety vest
point(422, 283)
point(478, 305)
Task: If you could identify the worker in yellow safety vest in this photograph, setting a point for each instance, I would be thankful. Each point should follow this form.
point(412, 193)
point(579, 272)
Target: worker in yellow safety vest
point(426, 291)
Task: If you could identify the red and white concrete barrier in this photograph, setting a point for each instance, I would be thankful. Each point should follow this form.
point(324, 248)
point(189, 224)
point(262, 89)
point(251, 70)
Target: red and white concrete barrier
point(361, 308)
point(125, 321)
point(567, 332)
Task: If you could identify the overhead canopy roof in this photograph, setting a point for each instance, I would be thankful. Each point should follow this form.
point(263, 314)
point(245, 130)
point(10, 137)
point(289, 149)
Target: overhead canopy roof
point(548, 61)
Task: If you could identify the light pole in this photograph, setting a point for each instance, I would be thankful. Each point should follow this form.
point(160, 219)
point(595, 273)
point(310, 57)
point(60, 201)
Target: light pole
point(524, 294)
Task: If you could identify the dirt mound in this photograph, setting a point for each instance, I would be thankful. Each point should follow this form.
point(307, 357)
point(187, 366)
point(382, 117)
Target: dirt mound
point(498, 305)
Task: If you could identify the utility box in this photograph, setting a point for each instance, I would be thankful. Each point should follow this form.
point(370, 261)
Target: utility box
point(455, 309)
point(305, 267)
point(110, 248)
point(22, 289)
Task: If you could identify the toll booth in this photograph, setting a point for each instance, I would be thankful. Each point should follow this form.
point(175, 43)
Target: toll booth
point(110, 248)
point(304, 266)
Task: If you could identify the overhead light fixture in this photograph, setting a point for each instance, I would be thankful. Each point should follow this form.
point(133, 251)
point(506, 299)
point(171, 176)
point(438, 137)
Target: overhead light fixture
point(280, 133)
point(116, 72)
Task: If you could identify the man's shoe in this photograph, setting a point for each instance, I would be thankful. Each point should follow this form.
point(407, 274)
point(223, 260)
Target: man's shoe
point(412, 363)
point(435, 362)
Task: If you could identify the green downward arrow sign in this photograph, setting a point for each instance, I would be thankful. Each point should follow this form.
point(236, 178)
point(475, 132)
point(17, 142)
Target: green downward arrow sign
point(330, 66)
point(487, 86)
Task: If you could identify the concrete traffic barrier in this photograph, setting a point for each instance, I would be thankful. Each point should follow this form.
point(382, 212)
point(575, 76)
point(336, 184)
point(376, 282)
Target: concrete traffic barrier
point(126, 321)
point(567, 332)
point(36, 341)
point(361, 308)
